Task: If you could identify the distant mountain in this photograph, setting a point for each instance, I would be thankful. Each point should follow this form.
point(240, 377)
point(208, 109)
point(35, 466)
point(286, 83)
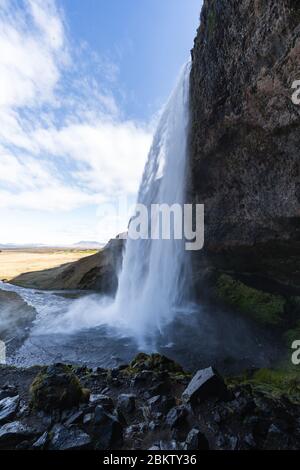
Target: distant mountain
point(25, 245)
point(92, 245)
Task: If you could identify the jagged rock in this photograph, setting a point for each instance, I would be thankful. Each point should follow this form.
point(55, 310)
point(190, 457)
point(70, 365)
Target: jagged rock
point(75, 417)
point(8, 407)
point(196, 440)
point(8, 391)
point(40, 444)
point(88, 417)
point(176, 416)
point(250, 441)
point(69, 439)
point(108, 430)
point(100, 415)
point(13, 433)
point(170, 445)
point(205, 384)
point(126, 403)
point(276, 439)
point(161, 404)
point(57, 387)
point(103, 400)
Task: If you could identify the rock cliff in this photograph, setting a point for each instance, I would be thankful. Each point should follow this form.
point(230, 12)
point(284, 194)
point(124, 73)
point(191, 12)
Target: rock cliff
point(96, 272)
point(245, 141)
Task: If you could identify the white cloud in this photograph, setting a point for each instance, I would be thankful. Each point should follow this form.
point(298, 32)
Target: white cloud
point(63, 144)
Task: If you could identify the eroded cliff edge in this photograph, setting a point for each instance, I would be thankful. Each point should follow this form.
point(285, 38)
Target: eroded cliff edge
point(245, 142)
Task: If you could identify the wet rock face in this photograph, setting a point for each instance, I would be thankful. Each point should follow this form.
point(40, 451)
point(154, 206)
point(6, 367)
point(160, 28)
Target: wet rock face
point(245, 139)
point(245, 135)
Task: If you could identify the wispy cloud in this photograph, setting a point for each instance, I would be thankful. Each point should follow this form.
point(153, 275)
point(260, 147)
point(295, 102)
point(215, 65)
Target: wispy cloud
point(63, 141)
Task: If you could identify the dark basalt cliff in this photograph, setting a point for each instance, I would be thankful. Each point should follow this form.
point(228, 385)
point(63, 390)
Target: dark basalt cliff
point(245, 140)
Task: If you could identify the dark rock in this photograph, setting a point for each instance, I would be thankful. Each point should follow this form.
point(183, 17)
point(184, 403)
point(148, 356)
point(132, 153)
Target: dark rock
point(88, 418)
point(57, 387)
point(100, 414)
point(13, 433)
point(126, 403)
point(8, 391)
point(108, 431)
point(170, 445)
point(74, 418)
point(161, 404)
point(40, 444)
point(276, 439)
point(68, 439)
point(244, 138)
point(177, 416)
point(8, 407)
point(141, 378)
point(155, 363)
point(196, 440)
point(250, 441)
point(206, 383)
point(103, 400)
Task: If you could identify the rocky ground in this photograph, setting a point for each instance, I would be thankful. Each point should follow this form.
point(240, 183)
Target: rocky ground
point(149, 404)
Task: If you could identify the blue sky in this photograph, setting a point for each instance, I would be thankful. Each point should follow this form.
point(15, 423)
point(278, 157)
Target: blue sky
point(81, 85)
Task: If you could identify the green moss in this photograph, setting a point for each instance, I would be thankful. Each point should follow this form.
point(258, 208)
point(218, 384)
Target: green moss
point(57, 387)
point(155, 363)
point(263, 307)
point(273, 383)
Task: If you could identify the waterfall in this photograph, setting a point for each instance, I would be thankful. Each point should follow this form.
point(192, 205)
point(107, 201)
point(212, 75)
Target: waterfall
point(152, 283)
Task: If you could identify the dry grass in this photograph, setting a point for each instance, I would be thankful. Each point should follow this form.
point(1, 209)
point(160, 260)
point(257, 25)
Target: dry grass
point(15, 262)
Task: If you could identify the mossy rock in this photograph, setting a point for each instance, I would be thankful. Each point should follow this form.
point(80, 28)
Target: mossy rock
point(57, 387)
point(274, 383)
point(265, 308)
point(155, 363)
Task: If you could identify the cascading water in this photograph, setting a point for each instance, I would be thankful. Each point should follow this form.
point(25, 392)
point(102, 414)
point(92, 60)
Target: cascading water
point(153, 280)
point(152, 283)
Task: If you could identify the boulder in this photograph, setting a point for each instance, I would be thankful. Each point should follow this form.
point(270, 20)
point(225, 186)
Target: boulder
point(8, 407)
point(57, 387)
point(14, 433)
point(156, 363)
point(103, 400)
point(196, 440)
point(126, 403)
point(177, 416)
point(69, 439)
point(161, 404)
point(41, 442)
point(205, 384)
point(108, 430)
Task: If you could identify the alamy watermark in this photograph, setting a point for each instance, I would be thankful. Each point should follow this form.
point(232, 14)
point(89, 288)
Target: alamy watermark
point(296, 94)
point(166, 222)
point(296, 354)
point(155, 222)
